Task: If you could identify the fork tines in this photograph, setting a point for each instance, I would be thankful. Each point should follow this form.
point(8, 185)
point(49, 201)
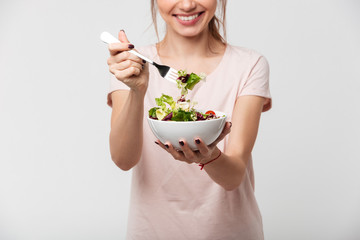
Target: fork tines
point(171, 75)
point(167, 72)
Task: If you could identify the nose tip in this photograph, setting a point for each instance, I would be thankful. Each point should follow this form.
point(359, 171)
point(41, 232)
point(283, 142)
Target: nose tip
point(187, 5)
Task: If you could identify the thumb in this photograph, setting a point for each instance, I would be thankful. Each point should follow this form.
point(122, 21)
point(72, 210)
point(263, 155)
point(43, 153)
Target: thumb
point(122, 37)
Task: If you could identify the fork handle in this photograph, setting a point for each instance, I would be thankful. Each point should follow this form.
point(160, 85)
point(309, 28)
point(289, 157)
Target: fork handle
point(141, 56)
point(108, 38)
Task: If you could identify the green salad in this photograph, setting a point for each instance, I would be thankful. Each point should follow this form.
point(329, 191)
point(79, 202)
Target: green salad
point(181, 109)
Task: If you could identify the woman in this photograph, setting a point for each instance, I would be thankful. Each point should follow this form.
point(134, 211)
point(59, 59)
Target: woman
point(170, 198)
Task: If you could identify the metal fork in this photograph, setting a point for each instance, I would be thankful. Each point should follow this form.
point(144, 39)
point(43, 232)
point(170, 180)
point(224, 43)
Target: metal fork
point(166, 72)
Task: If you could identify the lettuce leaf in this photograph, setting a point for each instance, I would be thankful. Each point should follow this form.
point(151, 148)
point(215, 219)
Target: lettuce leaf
point(160, 113)
point(152, 112)
point(165, 99)
point(192, 81)
point(184, 116)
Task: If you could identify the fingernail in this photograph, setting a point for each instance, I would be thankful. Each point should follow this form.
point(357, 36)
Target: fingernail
point(181, 143)
point(122, 30)
point(197, 141)
point(144, 61)
point(156, 143)
point(131, 46)
point(230, 124)
point(167, 146)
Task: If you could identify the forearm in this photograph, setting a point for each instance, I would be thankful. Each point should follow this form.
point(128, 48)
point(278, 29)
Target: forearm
point(126, 135)
point(227, 171)
point(230, 168)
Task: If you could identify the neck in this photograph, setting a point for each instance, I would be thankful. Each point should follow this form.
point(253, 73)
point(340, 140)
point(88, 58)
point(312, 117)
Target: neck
point(182, 47)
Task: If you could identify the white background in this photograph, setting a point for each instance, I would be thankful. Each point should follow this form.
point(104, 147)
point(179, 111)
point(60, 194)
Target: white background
point(57, 180)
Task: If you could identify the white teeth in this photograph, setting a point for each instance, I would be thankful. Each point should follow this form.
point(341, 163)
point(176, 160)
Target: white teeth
point(189, 18)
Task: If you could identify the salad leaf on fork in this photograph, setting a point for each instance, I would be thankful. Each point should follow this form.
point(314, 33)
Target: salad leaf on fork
point(187, 81)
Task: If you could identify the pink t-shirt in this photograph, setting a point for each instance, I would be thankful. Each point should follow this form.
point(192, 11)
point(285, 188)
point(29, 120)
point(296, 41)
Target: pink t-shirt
point(175, 200)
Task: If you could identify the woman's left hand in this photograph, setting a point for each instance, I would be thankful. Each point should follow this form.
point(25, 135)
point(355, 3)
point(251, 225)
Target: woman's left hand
point(203, 155)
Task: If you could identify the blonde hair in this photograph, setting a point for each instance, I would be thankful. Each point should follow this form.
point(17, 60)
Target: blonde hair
point(215, 25)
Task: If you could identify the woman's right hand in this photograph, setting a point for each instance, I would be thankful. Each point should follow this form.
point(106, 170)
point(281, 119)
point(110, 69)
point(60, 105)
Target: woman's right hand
point(127, 67)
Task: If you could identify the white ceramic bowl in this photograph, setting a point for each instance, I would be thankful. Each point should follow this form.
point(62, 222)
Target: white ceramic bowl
point(171, 131)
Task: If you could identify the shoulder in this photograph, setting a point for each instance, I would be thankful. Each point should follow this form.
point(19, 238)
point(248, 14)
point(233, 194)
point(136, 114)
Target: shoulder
point(244, 52)
point(246, 55)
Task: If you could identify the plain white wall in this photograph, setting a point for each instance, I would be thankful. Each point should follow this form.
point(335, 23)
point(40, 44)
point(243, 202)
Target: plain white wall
point(57, 180)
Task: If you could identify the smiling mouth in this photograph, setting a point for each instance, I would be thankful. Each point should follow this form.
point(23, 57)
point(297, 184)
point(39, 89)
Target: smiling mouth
point(188, 18)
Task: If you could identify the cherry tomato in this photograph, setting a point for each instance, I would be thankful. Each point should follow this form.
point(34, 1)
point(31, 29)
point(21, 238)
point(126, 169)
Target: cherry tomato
point(210, 112)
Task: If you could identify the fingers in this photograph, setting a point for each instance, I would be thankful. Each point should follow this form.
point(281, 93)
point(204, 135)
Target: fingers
point(115, 48)
point(127, 73)
point(226, 131)
point(186, 154)
point(203, 148)
point(189, 154)
point(123, 45)
point(122, 37)
point(124, 65)
point(124, 56)
point(178, 155)
point(113, 68)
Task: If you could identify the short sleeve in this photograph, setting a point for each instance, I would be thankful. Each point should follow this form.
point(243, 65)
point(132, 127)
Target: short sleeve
point(257, 82)
point(115, 85)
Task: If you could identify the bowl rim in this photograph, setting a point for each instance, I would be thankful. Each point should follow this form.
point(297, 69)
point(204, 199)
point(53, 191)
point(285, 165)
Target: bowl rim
point(223, 116)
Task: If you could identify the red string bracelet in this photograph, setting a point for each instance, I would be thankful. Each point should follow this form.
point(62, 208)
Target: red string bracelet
point(203, 164)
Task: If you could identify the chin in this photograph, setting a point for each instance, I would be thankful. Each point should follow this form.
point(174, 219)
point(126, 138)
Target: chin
point(190, 33)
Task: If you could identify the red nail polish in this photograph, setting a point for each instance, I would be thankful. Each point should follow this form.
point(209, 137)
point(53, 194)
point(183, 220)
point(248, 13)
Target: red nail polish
point(157, 143)
point(197, 141)
point(131, 46)
point(181, 143)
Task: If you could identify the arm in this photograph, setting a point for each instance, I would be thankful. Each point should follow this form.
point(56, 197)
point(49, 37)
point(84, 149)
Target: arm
point(229, 169)
point(126, 135)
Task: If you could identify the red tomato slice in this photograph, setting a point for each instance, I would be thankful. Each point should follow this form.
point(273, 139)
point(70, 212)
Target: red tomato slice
point(210, 112)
